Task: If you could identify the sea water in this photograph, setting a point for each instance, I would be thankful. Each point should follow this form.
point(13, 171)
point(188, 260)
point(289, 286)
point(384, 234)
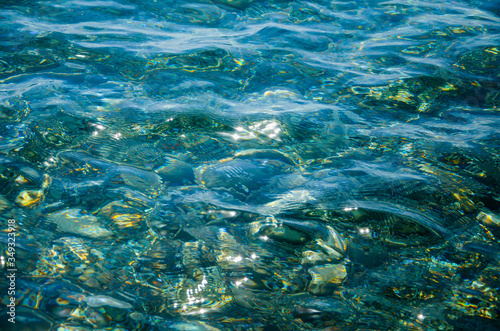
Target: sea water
point(249, 165)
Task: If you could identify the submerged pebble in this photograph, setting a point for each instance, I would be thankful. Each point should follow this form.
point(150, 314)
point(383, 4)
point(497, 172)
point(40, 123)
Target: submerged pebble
point(247, 172)
point(326, 278)
point(32, 198)
point(241, 176)
point(489, 218)
point(103, 300)
point(175, 172)
point(110, 173)
point(73, 221)
point(284, 233)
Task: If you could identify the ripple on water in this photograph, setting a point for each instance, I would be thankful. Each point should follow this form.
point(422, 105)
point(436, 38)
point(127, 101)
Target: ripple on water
point(253, 165)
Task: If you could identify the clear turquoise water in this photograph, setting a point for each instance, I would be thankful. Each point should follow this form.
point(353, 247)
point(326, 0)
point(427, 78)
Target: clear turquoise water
point(250, 165)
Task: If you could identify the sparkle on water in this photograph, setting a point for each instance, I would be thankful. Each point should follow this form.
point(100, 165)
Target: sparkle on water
point(250, 164)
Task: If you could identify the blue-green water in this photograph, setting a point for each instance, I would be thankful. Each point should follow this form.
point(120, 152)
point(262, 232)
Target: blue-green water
point(250, 165)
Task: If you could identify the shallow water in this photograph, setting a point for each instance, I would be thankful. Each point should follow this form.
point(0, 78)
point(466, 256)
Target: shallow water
point(250, 165)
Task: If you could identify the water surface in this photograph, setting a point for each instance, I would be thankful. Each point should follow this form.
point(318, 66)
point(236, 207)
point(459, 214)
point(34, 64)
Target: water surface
point(251, 165)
